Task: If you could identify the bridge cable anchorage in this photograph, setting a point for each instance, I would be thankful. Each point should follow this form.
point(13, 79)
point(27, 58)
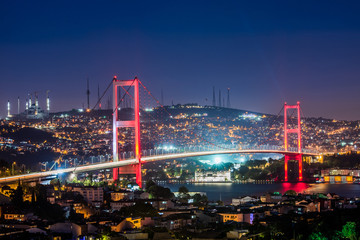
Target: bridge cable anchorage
point(162, 106)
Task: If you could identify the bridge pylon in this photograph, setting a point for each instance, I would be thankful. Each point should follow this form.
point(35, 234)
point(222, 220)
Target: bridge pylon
point(297, 131)
point(131, 123)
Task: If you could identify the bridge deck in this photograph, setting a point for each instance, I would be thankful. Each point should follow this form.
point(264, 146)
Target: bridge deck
point(109, 165)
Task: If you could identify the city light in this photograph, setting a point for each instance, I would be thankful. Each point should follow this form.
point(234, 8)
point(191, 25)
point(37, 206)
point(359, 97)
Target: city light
point(180, 161)
point(167, 147)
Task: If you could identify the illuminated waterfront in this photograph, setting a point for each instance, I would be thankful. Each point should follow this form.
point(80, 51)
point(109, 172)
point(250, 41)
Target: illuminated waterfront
point(232, 190)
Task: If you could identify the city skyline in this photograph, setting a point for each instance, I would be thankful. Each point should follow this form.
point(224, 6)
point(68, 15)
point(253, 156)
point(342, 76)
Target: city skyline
point(266, 53)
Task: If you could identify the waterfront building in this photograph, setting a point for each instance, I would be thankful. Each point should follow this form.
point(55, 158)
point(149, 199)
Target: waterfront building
point(344, 172)
point(212, 176)
point(338, 179)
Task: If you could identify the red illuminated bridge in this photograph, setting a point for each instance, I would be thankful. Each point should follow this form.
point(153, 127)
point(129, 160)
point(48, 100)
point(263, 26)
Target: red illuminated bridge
point(138, 157)
point(162, 155)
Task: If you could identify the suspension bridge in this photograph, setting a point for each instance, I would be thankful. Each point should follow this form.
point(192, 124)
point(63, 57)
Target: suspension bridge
point(135, 159)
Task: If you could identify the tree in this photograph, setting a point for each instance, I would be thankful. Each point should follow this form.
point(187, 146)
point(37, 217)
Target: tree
point(243, 171)
point(73, 216)
point(184, 194)
point(200, 200)
point(56, 183)
point(17, 196)
point(41, 197)
point(160, 192)
point(317, 236)
point(290, 193)
point(33, 198)
point(349, 231)
point(149, 184)
point(183, 190)
point(140, 209)
point(220, 203)
point(48, 211)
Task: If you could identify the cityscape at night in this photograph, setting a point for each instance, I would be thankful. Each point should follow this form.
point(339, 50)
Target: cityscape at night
point(179, 120)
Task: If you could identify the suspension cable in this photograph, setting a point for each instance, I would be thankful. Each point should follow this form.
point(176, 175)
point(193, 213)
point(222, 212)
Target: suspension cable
point(122, 98)
point(271, 123)
point(162, 106)
point(99, 100)
point(156, 100)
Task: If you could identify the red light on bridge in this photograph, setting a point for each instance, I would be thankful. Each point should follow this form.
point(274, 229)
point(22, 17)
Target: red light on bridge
point(297, 130)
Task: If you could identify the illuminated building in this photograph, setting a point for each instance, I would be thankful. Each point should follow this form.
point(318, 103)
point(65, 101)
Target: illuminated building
point(212, 176)
point(236, 217)
point(92, 195)
point(34, 112)
point(8, 108)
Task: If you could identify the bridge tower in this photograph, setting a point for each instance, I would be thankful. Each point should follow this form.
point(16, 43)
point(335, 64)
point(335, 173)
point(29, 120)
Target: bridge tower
point(121, 124)
point(292, 156)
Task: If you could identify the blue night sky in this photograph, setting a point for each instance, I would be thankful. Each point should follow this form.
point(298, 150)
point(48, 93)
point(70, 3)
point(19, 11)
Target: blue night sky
point(267, 52)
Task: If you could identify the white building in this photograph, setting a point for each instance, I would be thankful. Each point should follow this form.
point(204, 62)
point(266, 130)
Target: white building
point(213, 176)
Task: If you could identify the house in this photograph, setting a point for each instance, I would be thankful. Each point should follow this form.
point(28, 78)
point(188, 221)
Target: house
point(14, 216)
point(121, 195)
point(7, 191)
point(131, 223)
point(309, 206)
point(165, 213)
point(231, 216)
point(92, 195)
point(84, 210)
point(17, 215)
point(251, 216)
point(236, 234)
point(176, 221)
point(121, 226)
point(35, 230)
point(208, 218)
point(158, 204)
point(116, 206)
point(271, 197)
point(71, 228)
point(244, 200)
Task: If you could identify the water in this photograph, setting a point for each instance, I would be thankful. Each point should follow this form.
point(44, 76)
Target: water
point(227, 191)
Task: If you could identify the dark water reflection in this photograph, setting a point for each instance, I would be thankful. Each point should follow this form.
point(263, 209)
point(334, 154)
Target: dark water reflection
point(227, 191)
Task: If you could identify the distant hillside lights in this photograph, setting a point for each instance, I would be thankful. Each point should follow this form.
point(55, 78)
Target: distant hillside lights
point(184, 115)
point(251, 116)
